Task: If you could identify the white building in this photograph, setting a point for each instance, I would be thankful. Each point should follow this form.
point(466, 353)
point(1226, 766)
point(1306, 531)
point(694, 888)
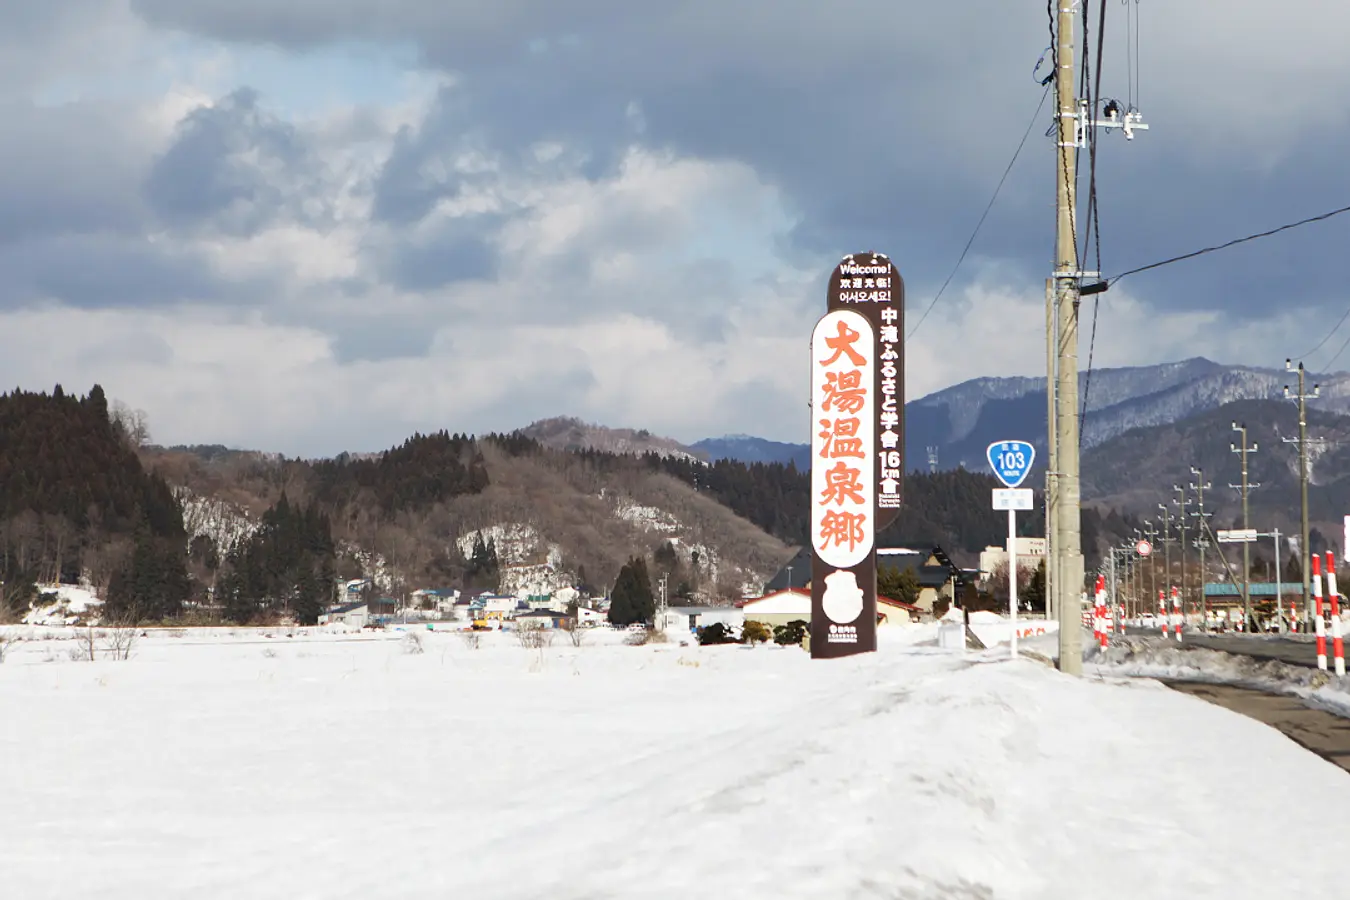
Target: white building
point(681, 619)
point(1030, 554)
point(590, 617)
point(354, 614)
point(779, 608)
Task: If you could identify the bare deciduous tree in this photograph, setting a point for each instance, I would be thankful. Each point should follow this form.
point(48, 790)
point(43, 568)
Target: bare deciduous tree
point(120, 639)
point(132, 424)
point(86, 644)
point(575, 632)
point(533, 635)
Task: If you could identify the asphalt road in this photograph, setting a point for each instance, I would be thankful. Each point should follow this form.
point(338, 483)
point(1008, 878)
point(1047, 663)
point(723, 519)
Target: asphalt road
point(1323, 733)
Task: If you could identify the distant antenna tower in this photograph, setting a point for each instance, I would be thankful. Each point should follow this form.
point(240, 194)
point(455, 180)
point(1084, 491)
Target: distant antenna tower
point(932, 459)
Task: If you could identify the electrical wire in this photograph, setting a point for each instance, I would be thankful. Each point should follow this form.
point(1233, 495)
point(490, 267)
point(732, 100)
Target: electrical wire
point(1326, 337)
point(1326, 366)
point(1233, 243)
point(978, 225)
point(1129, 57)
point(1094, 221)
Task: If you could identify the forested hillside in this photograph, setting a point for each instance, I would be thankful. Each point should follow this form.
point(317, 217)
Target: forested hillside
point(74, 498)
point(213, 533)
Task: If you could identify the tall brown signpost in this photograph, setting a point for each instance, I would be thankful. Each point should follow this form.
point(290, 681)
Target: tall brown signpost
point(857, 448)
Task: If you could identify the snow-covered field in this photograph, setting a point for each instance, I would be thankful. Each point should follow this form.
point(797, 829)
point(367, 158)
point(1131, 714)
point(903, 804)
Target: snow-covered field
point(222, 764)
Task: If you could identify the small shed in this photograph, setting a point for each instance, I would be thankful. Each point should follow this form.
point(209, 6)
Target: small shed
point(354, 614)
point(691, 618)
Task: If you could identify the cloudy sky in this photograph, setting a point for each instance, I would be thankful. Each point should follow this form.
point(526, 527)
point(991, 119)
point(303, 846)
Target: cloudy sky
point(323, 224)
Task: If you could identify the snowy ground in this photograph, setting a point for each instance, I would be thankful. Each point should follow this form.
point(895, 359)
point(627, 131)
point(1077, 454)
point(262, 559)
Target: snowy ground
point(220, 765)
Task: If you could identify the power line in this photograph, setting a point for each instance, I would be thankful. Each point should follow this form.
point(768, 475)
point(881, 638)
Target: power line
point(983, 216)
point(1326, 337)
point(1093, 229)
point(1326, 366)
point(1103, 285)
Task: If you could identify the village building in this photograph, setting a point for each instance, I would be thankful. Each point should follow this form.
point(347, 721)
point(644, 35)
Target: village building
point(680, 619)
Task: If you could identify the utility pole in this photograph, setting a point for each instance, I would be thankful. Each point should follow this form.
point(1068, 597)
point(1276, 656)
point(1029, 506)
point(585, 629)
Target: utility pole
point(1202, 542)
point(1152, 534)
point(1181, 502)
point(1076, 119)
point(1052, 457)
point(1167, 548)
point(1244, 487)
point(1068, 540)
point(1279, 593)
point(1302, 399)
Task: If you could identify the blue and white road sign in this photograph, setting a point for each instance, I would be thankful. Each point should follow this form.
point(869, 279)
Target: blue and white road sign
point(1011, 461)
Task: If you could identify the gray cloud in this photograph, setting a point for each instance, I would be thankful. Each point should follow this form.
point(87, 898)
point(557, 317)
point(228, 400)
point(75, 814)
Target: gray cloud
point(887, 124)
point(237, 168)
point(69, 168)
point(99, 270)
point(878, 125)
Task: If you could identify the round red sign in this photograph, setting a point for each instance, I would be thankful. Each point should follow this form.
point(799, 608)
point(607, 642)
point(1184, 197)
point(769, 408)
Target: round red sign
point(1143, 548)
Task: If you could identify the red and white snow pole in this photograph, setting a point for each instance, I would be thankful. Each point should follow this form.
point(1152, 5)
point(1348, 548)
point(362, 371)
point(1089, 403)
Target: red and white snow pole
point(1178, 617)
point(1162, 611)
point(1099, 609)
point(1319, 625)
point(1337, 647)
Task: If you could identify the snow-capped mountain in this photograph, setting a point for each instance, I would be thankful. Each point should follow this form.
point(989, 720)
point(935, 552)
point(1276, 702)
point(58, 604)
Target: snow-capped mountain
point(959, 422)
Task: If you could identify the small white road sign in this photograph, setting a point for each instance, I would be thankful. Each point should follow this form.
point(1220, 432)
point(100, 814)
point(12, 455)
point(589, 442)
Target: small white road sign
point(1014, 498)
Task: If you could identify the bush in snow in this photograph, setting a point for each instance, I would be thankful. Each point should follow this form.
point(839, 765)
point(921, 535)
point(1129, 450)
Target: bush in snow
point(716, 633)
point(793, 632)
point(754, 632)
point(412, 643)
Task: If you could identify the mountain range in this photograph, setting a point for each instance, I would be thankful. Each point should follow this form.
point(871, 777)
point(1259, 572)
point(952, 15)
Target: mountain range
point(954, 426)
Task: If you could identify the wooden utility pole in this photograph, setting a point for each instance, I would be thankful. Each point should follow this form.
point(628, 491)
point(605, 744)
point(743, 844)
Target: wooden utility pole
point(1202, 541)
point(1244, 487)
point(1302, 439)
point(1182, 503)
point(1152, 534)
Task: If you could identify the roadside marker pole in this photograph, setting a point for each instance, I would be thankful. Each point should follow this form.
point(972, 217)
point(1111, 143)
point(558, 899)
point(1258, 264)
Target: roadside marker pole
point(1337, 647)
point(1319, 625)
point(1106, 611)
point(1162, 611)
point(1097, 624)
point(1178, 617)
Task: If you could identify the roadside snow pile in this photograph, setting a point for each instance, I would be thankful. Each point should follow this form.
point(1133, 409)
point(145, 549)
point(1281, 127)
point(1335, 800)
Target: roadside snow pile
point(1153, 657)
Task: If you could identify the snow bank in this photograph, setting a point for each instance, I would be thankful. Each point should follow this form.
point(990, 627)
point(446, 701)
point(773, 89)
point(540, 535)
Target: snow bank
point(1153, 657)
